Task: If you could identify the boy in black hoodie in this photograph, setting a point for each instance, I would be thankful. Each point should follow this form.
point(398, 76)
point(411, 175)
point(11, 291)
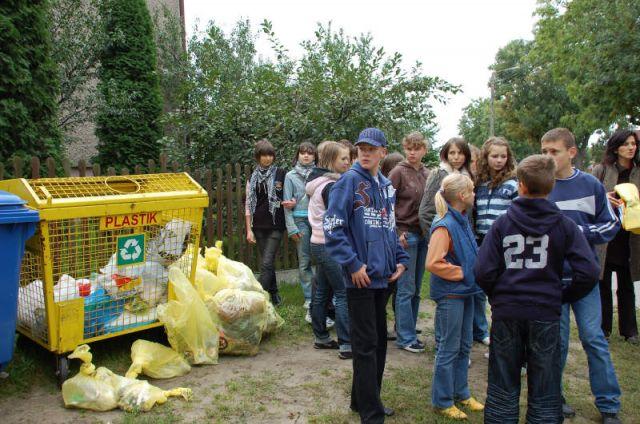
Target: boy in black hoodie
point(519, 267)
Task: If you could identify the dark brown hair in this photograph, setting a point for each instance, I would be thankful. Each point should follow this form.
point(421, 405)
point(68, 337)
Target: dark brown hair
point(484, 170)
point(389, 162)
point(615, 141)
point(461, 144)
point(305, 147)
point(264, 148)
point(537, 173)
point(560, 134)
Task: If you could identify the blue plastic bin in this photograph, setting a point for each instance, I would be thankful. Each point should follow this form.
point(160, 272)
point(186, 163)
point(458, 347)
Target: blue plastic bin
point(17, 225)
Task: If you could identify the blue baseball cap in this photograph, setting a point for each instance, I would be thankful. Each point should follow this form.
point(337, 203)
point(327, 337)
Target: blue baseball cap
point(372, 136)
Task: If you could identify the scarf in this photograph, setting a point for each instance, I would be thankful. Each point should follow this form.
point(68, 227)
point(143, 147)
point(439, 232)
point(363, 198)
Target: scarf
point(303, 170)
point(447, 167)
point(263, 178)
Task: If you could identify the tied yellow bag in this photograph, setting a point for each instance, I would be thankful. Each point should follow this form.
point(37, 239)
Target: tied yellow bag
point(628, 192)
point(208, 284)
point(241, 317)
point(211, 256)
point(156, 361)
point(90, 388)
point(189, 326)
point(142, 396)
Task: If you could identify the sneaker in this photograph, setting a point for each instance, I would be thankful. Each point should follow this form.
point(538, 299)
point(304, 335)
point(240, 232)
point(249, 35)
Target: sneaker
point(486, 341)
point(276, 299)
point(567, 411)
point(609, 418)
point(486, 355)
point(418, 331)
point(345, 355)
point(452, 412)
point(328, 345)
point(472, 405)
point(307, 316)
point(307, 304)
point(416, 347)
point(330, 323)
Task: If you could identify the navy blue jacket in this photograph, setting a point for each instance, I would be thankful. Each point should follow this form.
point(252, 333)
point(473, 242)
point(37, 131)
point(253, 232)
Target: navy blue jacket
point(360, 226)
point(521, 259)
point(465, 251)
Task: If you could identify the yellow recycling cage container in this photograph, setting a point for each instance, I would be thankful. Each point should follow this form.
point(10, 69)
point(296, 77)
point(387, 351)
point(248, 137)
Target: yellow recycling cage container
point(97, 266)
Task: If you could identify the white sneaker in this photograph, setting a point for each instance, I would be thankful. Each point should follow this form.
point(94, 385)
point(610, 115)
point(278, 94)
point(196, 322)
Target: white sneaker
point(486, 341)
point(469, 362)
point(307, 317)
point(330, 323)
point(486, 355)
point(306, 305)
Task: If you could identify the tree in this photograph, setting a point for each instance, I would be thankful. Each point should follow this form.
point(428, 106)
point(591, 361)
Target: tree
point(341, 85)
point(127, 119)
point(77, 40)
point(28, 84)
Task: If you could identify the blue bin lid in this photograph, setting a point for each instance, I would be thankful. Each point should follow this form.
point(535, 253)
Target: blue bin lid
point(13, 211)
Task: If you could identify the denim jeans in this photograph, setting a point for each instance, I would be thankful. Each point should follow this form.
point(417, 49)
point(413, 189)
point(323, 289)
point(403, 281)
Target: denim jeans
point(368, 325)
point(480, 324)
point(408, 295)
point(268, 243)
point(329, 276)
point(454, 327)
point(602, 376)
point(510, 339)
point(304, 256)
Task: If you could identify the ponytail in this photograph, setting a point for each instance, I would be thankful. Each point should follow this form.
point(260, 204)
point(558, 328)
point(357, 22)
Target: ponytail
point(452, 185)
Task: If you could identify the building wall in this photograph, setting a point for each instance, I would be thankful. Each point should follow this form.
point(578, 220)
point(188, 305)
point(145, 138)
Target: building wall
point(85, 142)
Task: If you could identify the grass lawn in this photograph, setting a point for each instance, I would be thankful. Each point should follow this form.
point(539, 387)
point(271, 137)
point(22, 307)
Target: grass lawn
point(309, 386)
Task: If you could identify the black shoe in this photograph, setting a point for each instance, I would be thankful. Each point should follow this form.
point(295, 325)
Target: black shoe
point(567, 411)
point(608, 418)
point(329, 345)
point(345, 355)
point(418, 331)
point(416, 347)
point(276, 299)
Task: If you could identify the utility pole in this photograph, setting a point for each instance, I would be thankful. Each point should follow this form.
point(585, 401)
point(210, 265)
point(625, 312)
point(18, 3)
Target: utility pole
point(492, 116)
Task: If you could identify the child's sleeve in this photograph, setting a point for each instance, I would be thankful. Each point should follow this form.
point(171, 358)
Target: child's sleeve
point(336, 228)
point(439, 246)
point(489, 265)
point(247, 212)
point(289, 188)
point(427, 210)
point(583, 264)
point(606, 225)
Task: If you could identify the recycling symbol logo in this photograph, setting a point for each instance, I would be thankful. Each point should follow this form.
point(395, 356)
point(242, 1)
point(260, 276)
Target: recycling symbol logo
point(126, 253)
point(131, 249)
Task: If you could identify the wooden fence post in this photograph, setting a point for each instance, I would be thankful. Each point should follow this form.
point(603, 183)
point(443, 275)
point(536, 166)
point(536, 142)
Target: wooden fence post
point(137, 169)
point(17, 167)
point(51, 167)
point(124, 171)
point(35, 167)
point(151, 164)
point(219, 215)
point(229, 206)
point(82, 168)
point(96, 169)
point(240, 225)
point(66, 166)
point(1, 171)
point(163, 162)
point(208, 184)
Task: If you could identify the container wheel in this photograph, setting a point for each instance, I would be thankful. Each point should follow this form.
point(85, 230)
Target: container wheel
point(62, 369)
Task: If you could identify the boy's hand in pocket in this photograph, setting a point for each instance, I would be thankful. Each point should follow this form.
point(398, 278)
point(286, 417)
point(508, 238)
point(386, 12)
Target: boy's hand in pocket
point(400, 269)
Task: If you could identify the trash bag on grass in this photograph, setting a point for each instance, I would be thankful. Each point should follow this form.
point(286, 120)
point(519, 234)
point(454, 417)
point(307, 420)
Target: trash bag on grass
point(208, 284)
point(156, 361)
point(142, 396)
point(190, 329)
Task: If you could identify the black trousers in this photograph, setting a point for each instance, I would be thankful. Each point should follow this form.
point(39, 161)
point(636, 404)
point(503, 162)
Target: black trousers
point(368, 325)
point(268, 243)
point(510, 339)
point(626, 301)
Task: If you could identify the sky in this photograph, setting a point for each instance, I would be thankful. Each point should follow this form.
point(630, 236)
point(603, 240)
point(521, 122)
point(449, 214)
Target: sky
point(455, 39)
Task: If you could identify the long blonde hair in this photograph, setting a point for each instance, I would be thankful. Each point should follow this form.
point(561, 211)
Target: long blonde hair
point(452, 185)
point(329, 153)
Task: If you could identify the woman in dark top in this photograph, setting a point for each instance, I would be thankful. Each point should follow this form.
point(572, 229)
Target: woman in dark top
point(621, 255)
point(264, 214)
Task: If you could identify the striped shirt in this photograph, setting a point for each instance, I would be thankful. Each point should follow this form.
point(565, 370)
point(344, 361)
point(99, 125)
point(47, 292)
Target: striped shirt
point(493, 202)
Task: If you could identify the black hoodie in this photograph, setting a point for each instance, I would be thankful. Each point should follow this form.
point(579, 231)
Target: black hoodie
point(520, 261)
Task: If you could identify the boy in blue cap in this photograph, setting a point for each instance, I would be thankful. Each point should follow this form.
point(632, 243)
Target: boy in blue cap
point(360, 233)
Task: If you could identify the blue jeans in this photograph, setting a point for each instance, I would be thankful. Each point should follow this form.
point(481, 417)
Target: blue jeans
point(408, 295)
point(480, 324)
point(454, 326)
point(510, 339)
point(304, 256)
point(602, 376)
point(329, 275)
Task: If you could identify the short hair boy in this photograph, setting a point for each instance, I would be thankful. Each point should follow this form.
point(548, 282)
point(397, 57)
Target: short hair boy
point(583, 199)
point(360, 234)
point(520, 268)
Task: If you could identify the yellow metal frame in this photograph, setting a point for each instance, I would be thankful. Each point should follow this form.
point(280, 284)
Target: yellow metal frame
point(65, 320)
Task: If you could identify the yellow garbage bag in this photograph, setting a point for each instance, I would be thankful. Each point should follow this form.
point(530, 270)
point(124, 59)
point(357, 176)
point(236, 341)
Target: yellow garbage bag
point(186, 259)
point(142, 396)
point(208, 284)
point(628, 192)
point(237, 275)
point(189, 326)
point(273, 320)
point(211, 255)
point(241, 317)
point(90, 388)
point(156, 361)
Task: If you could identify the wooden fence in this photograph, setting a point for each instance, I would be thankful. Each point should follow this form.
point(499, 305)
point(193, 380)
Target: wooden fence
point(223, 219)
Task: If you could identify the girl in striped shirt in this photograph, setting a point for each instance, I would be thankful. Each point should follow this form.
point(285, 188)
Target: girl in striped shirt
point(496, 188)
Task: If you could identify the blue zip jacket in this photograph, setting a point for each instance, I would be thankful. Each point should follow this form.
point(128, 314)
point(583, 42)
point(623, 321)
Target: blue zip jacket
point(360, 226)
point(465, 251)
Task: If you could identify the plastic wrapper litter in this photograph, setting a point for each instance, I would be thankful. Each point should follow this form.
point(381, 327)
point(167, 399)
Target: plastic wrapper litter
point(156, 361)
point(190, 329)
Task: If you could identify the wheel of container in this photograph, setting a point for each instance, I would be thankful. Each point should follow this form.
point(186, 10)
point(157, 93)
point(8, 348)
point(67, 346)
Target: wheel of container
point(62, 369)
